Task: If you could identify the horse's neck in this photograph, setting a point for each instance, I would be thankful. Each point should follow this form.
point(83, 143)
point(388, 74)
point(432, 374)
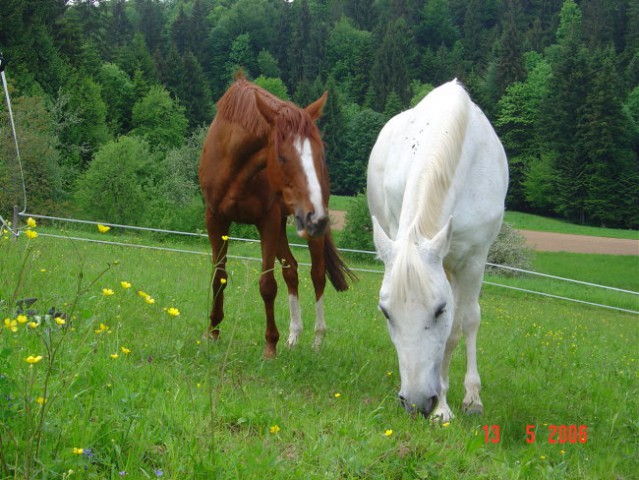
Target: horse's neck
point(428, 216)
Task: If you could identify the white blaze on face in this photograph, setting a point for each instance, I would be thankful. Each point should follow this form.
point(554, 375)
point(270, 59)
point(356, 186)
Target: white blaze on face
point(303, 147)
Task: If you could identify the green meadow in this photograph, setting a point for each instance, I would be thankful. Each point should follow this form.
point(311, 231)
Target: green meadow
point(125, 386)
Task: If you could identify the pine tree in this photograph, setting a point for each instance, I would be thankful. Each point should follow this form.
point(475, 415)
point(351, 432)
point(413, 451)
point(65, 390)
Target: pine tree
point(394, 64)
point(561, 113)
point(606, 135)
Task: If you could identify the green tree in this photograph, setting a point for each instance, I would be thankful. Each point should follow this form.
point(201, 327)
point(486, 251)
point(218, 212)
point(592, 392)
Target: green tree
point(151, 23)
point(39, 157)
point(510, 66)
point(267, 64)
point(81, 138)
point(333, 126)
point(561, 113)
point(159, 119)
point(606, 133)
point(517, 123)
point(437, 27)
point(348, 52)
point(394, 63)
point(274, 85)
point(241, 56)
point(176, 200)
point(362, 128)
point(115, 186)
point(117, 91)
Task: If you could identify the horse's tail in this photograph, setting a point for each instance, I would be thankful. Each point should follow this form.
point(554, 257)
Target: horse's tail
point(338, 273)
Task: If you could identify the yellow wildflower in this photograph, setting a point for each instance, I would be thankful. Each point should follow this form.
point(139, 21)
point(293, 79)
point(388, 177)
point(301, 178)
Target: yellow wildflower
point(222, 281)
point(22, 318)
point(33, 324)
point(60, 320)
point(337, 395)
point(32, 359)
point(150, 300)
point(103, 328)
point(447, 424)
point(11, 324)
point(174, 312)
point(142, 294)
point(107, 292)
point(114, 356)
point(388, 433)
point(31, 234)
point(124, 284)
point(125, 350)
point(31, 223)
point(41, 400)
point(103, 228)
point(225, 238)
point(274, 429)
point(78, 451)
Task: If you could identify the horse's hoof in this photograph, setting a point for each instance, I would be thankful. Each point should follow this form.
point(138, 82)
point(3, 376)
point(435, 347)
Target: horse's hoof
point(473, 409)
point(270, 351)
point(292, 341)
point(212, 334)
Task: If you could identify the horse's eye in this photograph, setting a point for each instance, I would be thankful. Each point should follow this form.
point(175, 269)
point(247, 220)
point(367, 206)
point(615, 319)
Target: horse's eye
point(440, 310)
point(281, 159)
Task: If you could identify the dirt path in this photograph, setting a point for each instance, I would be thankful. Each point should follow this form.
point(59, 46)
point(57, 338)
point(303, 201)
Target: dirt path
point(553, 242)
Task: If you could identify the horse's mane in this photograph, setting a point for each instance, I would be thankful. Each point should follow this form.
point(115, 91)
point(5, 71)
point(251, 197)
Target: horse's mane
point(238, 106)
point(443, 158)
point(433, 186)
point(407, 272)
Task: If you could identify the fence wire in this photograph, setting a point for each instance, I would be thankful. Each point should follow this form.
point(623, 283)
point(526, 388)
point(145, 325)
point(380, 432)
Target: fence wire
point(344, 250)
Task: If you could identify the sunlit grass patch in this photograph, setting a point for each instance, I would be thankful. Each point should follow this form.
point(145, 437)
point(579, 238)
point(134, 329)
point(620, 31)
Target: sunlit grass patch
point(176, 403)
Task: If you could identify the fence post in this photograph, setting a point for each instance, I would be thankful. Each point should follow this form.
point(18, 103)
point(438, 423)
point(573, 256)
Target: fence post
point(15, 222)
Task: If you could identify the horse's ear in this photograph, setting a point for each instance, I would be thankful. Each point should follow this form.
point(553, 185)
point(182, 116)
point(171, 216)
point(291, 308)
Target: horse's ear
point(267, 111)
point(383, 243)
point(315, 108)
point(441, 241)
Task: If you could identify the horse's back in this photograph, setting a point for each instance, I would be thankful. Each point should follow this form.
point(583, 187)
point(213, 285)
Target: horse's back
point(407, 146)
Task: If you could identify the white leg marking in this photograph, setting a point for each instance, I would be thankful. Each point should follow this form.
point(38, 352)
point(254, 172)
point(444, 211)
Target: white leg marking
point(314, 188)
point(320, 326)
point(443, 413)
point(296, 321)
point(472, 382)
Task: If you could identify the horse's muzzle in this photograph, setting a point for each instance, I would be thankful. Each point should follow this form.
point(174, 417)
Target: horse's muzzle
point(424, 407)
point(314, 225)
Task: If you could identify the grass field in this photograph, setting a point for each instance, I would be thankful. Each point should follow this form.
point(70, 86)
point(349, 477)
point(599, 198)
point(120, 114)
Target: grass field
point(125, 389)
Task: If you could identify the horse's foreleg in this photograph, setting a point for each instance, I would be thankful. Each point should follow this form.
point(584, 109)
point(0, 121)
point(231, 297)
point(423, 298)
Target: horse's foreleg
point(443, 412)
point(472, 402)
point(469, 314)
point(318, 275)
point(289, 272)
point(218, 236)
point(268, 287)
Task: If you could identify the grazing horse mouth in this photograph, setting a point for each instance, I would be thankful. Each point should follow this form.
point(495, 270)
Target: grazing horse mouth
point(311, 225)
point(425, 408)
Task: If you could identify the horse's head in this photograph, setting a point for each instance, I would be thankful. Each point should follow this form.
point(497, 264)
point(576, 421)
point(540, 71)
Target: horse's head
point(417, 301)
point(295, 163)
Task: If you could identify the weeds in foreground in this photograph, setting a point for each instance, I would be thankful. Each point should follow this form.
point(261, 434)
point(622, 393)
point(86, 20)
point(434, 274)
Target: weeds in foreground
point(44, 356)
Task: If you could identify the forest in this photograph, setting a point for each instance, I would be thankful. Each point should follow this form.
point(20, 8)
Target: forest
point(111, 98)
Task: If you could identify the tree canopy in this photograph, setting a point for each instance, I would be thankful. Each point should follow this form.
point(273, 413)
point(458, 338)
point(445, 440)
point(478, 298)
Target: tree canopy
point(558, 79)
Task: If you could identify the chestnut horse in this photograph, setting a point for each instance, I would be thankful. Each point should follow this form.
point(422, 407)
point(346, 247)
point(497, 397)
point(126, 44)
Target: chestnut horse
point(263, 160)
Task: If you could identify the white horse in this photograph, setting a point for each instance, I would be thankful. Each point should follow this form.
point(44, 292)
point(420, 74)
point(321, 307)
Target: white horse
point(437, 179)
